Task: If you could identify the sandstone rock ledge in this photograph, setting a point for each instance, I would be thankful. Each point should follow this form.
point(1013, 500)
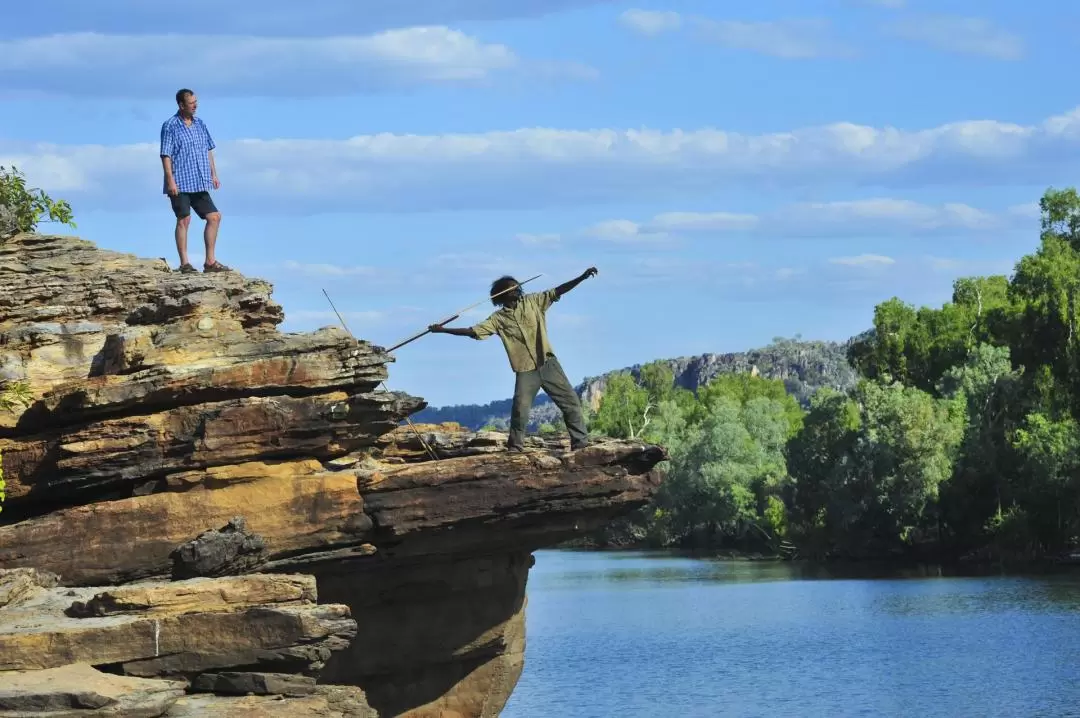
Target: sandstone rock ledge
point(190, 482)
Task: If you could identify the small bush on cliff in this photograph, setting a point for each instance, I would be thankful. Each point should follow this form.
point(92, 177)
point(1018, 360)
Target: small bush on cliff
point(12, 395)
point(22, 207)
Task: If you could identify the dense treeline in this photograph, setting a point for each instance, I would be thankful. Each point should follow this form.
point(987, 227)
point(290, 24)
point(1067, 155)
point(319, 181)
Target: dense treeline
point(804, 367)
point(959, 438)
point(495, 414)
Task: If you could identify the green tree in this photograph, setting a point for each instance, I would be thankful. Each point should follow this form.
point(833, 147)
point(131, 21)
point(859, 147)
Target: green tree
point(12, 396)
point(885, 353)
point(775, 516)
point(1050, 494)
point(870, 483)
point(625, 408)
point(1046, 285)
point(1060, 214)
point(992, 391)
point(710, 480)
point(727, 460)
point(912, 440)
point(917, 346)
point(22, 207)
point(819, 460)
point(744, 388)
point(989, 310)
point(963, 431)
point(658, 380)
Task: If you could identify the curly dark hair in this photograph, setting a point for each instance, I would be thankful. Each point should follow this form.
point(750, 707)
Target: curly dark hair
point(500, 287)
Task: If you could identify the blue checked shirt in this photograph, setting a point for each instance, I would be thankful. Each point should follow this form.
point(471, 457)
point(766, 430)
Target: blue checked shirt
point(189, 147)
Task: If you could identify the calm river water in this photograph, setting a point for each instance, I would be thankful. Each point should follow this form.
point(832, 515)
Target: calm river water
point(621, 634)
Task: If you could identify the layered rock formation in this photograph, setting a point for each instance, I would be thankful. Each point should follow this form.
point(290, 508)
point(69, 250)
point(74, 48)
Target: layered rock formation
point(189, 483)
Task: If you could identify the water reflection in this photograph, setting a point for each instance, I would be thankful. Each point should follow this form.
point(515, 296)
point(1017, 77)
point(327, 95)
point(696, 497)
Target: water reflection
point(983, 596)
point(655, 568)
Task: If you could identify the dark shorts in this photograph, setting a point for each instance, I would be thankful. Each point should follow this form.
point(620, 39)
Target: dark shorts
point(184, 202)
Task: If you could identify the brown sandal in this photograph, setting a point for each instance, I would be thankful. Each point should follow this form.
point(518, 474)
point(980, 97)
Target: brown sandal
point(216, 267)
point(186, 269)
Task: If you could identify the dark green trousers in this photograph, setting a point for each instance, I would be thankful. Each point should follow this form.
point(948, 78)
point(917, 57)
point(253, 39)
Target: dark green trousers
point(552, 379)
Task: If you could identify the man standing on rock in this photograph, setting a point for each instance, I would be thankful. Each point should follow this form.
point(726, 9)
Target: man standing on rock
point(187, 156)
point(521, 323)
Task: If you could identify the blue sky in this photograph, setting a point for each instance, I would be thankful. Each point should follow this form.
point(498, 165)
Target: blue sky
point(736, 171)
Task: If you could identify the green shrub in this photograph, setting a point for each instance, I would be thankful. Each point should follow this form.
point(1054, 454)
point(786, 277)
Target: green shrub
point(22, 207)
point(12, 394)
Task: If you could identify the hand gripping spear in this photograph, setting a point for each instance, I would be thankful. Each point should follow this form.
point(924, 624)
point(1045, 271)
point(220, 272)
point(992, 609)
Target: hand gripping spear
point(428, 449)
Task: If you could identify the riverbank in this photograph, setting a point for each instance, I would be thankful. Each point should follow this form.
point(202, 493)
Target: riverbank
point(980, 563)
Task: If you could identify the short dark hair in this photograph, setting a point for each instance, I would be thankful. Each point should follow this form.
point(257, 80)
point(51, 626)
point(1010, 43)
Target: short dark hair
point(500, 287)
point(182, 95)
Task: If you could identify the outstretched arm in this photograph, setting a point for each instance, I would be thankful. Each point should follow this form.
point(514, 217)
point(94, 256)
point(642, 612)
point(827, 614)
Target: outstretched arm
point(567, 286)
point(457, 332)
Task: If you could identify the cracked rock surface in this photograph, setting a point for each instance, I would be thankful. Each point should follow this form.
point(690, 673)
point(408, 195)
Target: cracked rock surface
point(189, 482)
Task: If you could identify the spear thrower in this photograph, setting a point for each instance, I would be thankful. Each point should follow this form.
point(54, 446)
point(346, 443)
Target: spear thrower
point(427, 448)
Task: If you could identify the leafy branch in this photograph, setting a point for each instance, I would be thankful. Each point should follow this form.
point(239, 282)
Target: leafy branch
point(22, 207)
point(12, 395)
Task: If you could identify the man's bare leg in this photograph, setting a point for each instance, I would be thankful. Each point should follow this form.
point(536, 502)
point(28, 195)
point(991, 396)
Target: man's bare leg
point(181, 239)
point(210, 232)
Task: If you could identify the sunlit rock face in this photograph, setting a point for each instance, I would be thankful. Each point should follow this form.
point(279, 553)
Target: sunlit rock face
point(208, 517)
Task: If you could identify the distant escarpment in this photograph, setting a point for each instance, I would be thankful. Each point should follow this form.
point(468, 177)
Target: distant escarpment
point(208, 517)
point(803, 366)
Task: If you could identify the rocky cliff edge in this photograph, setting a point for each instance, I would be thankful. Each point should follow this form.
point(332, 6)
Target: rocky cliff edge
point(208, 517)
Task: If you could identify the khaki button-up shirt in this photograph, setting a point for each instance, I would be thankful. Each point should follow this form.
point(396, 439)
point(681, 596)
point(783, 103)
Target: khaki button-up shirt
point(523, 330)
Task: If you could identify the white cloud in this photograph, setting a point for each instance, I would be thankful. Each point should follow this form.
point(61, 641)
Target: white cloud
point(703, 221)
point(879, 215)
point(665, 227)
point(544, 240)
point(270, 16)
point(863, 260)
point(135, 65)
point(865, 217)
point(543, 167)
point(1028, 210)
point(785, 273)
point(962, 35)
point(787, 39)
point(623, 230)
point(873, 277)
point(328, 270)
point(486, 263)
point(650, 22)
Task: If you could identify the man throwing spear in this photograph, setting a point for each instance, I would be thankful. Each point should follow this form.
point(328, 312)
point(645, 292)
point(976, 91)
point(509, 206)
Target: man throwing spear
point(521, 323)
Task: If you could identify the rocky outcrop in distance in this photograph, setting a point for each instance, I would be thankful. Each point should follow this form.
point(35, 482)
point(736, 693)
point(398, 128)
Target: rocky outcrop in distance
point(803, 366)
point(208, 517)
